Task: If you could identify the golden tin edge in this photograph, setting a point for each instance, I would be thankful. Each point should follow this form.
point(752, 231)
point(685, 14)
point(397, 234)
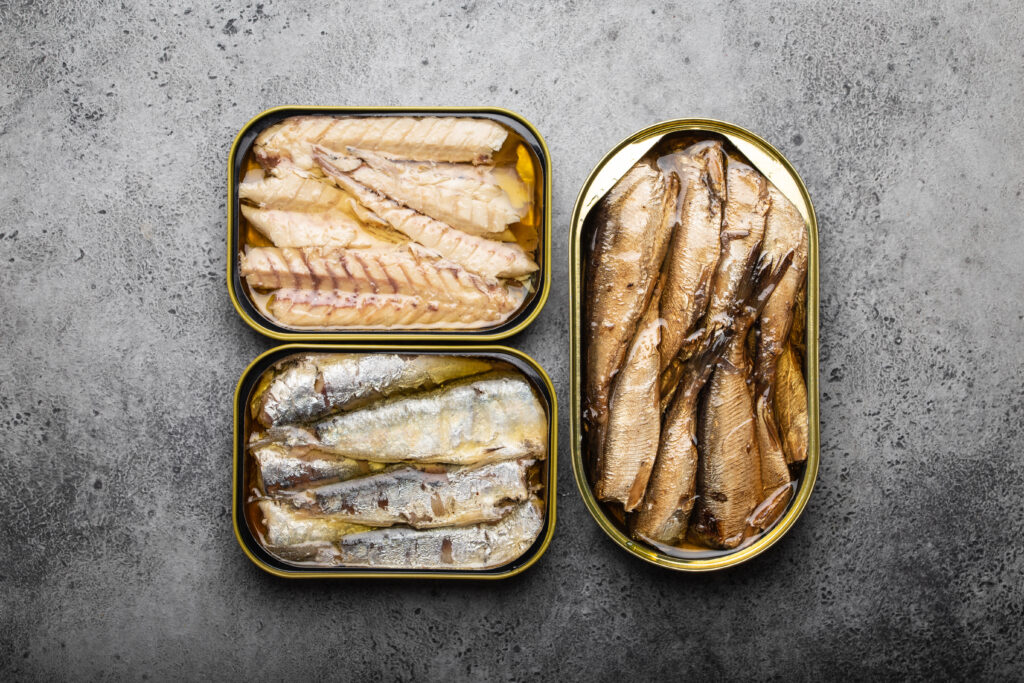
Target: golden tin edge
point(236, 459)
point(575, 292)
point(545, 279)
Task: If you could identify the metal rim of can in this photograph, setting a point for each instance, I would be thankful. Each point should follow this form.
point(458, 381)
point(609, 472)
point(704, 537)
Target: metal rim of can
point(522, 318)
point(638, 549)
point(241, 528)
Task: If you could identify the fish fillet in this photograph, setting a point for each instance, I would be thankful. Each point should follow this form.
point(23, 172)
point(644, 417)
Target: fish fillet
point(632, 234)
point(289, 144)
point(488, 418)
point(463, 196)
point(298, 212)
point(280, 468)
point(409, 270)
point(312, 386)
point(422, 496)
point(696, 244)
point(335, 309)
point(480, 255)
point(791, 406)
point(286, 526)
point(479, 546)
point(634, 419)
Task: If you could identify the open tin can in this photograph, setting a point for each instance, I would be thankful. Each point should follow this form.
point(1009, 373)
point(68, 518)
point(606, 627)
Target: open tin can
point(779, 172)
point(525, 149)
point(248, 486)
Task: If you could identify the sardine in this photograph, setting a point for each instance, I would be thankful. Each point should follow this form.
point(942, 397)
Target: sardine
point(313, 386)
point(729, 469)
point(289, 144)
point(791, 406)
point(408, 270)
point(696, 244)
point(280, 468)
point(422, 496)
point(464, 196)
point(664, 514)
point(634, 418)
point(632, 230)
point(488, 418)
point(298, 212)
point(337, 310)
point(479, 546)
point(478, 254)
point(287, 526)
point(784, 233)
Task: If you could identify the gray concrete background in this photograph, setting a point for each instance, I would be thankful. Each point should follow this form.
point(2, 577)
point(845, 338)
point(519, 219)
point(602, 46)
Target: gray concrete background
point(121, 349)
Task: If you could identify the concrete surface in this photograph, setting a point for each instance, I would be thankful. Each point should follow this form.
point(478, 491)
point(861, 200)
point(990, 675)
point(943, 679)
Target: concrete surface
point(121, 349)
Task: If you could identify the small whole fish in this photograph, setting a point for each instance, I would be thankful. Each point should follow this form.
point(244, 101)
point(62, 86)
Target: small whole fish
point(281, 468)
point(464, 196)
point(298, 212)
point(422, 496)
point(306, 532)
point(289, 144)
point(634, 418)
point(310, 387)
point(480, 255)
point(488, 418)
point(632, 231)
point(696, 244)
point(478, 546)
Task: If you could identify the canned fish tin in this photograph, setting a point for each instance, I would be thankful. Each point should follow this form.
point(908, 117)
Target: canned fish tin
point(394, 461)
point(350, 223)
point(694, 418)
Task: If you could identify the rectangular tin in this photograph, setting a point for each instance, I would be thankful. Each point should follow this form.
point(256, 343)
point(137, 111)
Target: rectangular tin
point(264, 325)
point(265, 561)
point(770, 162)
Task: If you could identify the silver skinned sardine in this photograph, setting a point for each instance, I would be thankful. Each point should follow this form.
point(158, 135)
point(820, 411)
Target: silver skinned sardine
point(479, 546)
point(487, 418)
point(282, 468)
point(422, 496)
point(310, 387)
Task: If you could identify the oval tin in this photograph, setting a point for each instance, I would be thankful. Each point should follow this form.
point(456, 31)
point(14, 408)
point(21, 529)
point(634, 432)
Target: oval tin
point(264, 325)
point(770, 162)
point(267, 562)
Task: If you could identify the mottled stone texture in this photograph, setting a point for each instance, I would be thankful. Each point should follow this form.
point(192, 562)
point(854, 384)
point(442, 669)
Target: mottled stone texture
point(120, 348)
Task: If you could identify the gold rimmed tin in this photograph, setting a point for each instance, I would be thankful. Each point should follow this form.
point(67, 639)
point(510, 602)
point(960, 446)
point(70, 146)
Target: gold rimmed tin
point(770, 162)
point(264, 560)
point(253, 317)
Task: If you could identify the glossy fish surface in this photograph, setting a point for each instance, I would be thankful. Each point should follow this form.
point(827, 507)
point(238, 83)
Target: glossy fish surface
point(422, 496)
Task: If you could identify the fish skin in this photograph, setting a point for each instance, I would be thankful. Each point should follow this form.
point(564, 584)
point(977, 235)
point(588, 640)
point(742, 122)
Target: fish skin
point(463, 196)
point(634, 418)
point(286, 526)
point(407, 270)
point(784, 233)
point(791, 406)
point(298, 212)
point(478, 254)
point(312, 386)
point(280, 468)
point(664, 514)
point(487, 418)
point(695, 247)
point(746, 206)
point(305, 308)
point(629, 245)
point(478, 546)
point(288, 144)
point(729, 469)
point(422, 496)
